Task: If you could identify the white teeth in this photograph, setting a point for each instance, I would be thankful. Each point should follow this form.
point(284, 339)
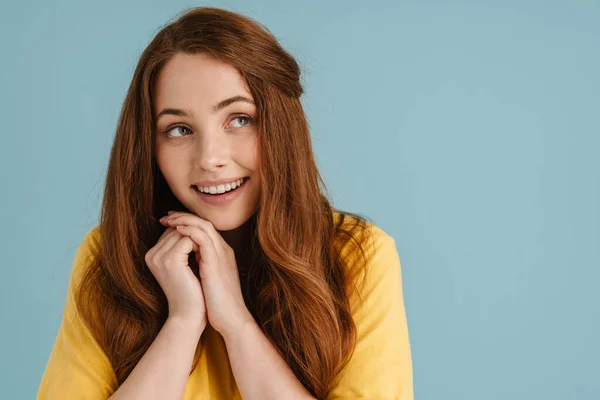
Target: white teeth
point(221, 188)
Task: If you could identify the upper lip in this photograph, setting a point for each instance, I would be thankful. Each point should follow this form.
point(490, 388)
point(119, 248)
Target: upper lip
point(217, 182)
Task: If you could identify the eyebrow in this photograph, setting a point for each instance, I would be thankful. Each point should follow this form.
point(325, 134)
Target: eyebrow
point(216, 108)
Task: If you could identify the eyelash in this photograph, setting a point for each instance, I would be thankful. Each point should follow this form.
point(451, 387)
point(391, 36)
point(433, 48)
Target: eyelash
point(166, 132)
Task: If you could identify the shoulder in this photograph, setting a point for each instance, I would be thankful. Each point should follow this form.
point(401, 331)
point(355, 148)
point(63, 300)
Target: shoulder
point(369, 257)
point(354, 235)
point(368, 229)
point(87, 251)
point(90, 241)
point(380, 365)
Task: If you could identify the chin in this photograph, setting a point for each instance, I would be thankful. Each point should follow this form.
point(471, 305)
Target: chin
point(226, 221)
point(226, 225)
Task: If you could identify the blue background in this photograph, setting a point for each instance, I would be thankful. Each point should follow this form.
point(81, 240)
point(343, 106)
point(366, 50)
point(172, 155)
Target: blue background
point(467, 130)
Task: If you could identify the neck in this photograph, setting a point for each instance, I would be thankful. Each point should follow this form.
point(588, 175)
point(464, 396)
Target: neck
point(239, 240)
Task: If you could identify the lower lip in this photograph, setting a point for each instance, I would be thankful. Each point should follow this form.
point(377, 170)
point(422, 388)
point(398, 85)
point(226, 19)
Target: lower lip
point(222, 199)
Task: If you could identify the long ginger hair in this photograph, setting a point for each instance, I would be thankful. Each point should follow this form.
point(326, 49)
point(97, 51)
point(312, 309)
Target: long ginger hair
point(298, 284)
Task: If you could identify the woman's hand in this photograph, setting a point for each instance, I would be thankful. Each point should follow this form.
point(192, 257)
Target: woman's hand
point(168, 262)
point(219, 275)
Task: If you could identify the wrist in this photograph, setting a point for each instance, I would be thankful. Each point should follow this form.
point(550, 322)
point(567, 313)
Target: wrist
point(187, 323)
point(240, 329)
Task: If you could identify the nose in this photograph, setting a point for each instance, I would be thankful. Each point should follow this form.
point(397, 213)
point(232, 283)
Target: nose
point(211, 151)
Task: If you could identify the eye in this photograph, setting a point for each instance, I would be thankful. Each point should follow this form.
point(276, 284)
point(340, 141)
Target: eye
point(173, 128)
point(242, 117)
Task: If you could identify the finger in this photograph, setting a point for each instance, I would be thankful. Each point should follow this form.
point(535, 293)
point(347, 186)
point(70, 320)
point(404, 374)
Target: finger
point(195, 247)
point(168, 242)
point(164, 238)
point(161, 241)
point(179, 218)
point(165, 233)
point(154, 255)
point(208, 252)
point(184, 245)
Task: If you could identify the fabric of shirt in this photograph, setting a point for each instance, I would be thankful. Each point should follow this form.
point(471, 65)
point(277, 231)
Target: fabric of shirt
point(380, 367)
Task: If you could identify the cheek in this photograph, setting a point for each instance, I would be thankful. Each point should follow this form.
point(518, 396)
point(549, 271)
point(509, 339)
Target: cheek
point(252, 154)
point(170, 164)
point(245, 154)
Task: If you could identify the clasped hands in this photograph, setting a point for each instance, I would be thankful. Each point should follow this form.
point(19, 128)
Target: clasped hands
point(218, 270)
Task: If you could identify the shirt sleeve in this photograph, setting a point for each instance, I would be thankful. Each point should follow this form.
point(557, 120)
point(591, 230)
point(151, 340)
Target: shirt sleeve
point(77, 368)
point(381, 366)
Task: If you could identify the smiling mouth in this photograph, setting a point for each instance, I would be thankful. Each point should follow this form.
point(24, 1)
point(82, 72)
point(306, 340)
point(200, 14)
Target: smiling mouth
point(246, 179)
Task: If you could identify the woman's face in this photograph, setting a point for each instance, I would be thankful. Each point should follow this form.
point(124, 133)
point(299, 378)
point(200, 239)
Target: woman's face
point(202, 135)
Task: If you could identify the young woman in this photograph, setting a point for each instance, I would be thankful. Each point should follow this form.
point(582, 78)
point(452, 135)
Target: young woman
point(219, 269)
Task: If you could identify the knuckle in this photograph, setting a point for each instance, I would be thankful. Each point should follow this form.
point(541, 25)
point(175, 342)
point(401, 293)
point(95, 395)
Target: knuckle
point(148, 257)
point(168, 261)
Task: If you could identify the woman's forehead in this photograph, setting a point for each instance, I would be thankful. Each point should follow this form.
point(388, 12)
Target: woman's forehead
point(197, 81)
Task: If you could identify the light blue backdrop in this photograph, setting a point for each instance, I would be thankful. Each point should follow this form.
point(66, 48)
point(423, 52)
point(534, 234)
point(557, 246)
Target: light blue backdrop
point(468, 130)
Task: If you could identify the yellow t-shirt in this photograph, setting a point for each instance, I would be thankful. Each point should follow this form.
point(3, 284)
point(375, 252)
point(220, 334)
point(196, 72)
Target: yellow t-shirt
point(379, 369)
